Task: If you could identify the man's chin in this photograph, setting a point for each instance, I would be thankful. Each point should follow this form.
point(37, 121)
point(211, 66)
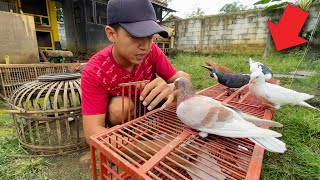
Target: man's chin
point(137, 61)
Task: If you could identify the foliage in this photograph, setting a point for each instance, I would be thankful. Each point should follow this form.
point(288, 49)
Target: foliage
point(303, 4)
point(198, 12)
point(165, 1)
point(170, 18)
point(233, 7)
point(59, 14)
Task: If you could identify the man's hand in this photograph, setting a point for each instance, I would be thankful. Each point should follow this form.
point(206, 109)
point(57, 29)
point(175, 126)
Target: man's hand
point(156, 91)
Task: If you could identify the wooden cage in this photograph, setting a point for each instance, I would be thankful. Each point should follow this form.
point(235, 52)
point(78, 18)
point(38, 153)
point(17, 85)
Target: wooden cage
point(47, 114)
point(13, 76)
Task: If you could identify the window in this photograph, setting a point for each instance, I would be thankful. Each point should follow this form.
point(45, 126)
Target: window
point(101, 10)
point(89, 11)
point(37, 7)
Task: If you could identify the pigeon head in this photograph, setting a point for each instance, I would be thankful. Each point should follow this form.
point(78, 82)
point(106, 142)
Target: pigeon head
point(213, 73)
point(257, 77)
point(185, 88)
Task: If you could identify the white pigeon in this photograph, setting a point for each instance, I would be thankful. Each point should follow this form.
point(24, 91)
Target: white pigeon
point(209, 116)
point(275, 94)
point(258, 66)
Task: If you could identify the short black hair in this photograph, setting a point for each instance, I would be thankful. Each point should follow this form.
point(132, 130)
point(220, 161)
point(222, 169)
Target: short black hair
point(116, 26)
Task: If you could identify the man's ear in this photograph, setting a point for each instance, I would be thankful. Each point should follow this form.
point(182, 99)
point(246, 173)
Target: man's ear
point(111, 33)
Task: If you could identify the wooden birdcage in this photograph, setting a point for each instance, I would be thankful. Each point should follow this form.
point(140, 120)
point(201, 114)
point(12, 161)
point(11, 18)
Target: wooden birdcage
point(47, 114)
point(12, 76)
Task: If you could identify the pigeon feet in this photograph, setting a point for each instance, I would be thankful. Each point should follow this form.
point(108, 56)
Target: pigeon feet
point(192, 131)
point(266, 106)
point(203, 134)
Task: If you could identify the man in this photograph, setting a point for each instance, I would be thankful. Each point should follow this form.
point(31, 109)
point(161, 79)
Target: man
point(132, 56)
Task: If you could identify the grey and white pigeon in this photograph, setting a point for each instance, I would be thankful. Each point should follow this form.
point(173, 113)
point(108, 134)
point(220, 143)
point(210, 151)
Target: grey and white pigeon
point(232, 80)
point(275, 94)
point(258, 66)
point(209, 116)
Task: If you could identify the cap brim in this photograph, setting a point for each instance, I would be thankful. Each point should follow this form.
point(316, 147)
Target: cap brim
point(144, 29)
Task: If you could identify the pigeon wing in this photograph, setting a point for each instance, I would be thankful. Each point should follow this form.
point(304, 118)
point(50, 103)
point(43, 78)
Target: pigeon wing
point(281, 95)
point(237, 80)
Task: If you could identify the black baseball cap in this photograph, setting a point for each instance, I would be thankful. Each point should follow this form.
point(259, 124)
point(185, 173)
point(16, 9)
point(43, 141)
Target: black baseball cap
point(137, 17)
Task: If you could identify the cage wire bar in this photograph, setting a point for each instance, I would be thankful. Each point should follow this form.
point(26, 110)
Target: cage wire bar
point(159, 146)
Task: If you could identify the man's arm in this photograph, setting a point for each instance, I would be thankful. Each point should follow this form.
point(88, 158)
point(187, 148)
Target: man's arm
point(93, 124)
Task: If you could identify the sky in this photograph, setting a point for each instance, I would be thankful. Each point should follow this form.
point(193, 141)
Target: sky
point(210, 7)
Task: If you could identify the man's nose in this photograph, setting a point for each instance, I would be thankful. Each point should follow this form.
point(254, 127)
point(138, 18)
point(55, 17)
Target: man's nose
point(145, 42)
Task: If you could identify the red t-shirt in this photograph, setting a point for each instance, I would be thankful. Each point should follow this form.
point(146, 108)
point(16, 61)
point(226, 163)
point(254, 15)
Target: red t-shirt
point(102, 75)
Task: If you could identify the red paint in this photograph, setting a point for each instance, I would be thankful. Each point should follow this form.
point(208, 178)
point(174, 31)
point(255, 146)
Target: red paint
point(286, 33)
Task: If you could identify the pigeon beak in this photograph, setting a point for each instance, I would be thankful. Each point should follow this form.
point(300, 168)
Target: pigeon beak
point(207, 67)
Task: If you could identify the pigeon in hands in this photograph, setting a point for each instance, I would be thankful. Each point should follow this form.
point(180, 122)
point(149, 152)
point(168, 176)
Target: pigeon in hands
point(209, 116)
point(232, 80)
point(258, 66)
point(276, 95)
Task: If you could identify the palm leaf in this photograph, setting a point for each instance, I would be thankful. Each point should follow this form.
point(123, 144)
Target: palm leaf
point(275, 6)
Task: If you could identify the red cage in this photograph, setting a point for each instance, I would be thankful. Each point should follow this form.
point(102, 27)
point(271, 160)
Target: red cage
point(162, 147)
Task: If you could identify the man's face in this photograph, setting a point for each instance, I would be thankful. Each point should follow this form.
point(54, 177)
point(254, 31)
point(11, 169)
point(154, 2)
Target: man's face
point(131, 48)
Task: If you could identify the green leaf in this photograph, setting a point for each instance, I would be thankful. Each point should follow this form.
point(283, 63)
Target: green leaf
point(262, 2)
point(275, 6)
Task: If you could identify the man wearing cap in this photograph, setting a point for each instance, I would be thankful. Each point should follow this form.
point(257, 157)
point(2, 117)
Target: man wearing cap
point(131, 57)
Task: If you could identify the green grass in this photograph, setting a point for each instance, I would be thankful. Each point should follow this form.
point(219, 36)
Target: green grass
point(10, 166)
point(301, 131)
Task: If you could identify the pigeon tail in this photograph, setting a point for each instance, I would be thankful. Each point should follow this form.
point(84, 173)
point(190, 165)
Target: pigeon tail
point(302, 103)
point(234, 133)
point(270, 144)
point(304, 96)
point(260, 122)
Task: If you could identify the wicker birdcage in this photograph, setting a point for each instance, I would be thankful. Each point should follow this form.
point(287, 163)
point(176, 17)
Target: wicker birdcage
point(47, 114)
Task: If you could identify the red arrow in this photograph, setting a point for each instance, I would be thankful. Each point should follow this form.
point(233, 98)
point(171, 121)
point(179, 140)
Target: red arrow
point(285, 33)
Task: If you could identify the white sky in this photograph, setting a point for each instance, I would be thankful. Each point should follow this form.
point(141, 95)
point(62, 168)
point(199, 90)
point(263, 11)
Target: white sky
point(210, 7)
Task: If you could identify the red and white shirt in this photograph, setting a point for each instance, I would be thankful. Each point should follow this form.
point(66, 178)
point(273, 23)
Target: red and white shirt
point(102, 75)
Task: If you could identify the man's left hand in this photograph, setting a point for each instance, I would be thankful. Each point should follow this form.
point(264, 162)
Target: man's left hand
point(156, 91)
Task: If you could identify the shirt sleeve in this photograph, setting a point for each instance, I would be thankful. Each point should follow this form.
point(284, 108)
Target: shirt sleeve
point(163, 66)
point(94, 96)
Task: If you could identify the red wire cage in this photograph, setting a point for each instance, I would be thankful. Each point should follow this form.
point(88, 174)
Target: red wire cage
point(158, 145)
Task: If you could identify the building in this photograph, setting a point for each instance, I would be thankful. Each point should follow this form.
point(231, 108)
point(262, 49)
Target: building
point(44, 13)
point(85, 21)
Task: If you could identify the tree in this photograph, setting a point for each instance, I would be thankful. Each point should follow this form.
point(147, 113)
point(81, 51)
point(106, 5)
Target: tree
point(165, 1)
point(303, 4)
point(198, 12)
point(233, 7)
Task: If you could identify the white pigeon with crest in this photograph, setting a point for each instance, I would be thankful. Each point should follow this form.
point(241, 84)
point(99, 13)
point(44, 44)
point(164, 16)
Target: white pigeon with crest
point(258, 66)
point(275, 94)
point(209, 116)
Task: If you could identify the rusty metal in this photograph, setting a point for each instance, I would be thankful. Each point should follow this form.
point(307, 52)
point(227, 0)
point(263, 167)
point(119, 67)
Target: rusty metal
point(159, 146)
